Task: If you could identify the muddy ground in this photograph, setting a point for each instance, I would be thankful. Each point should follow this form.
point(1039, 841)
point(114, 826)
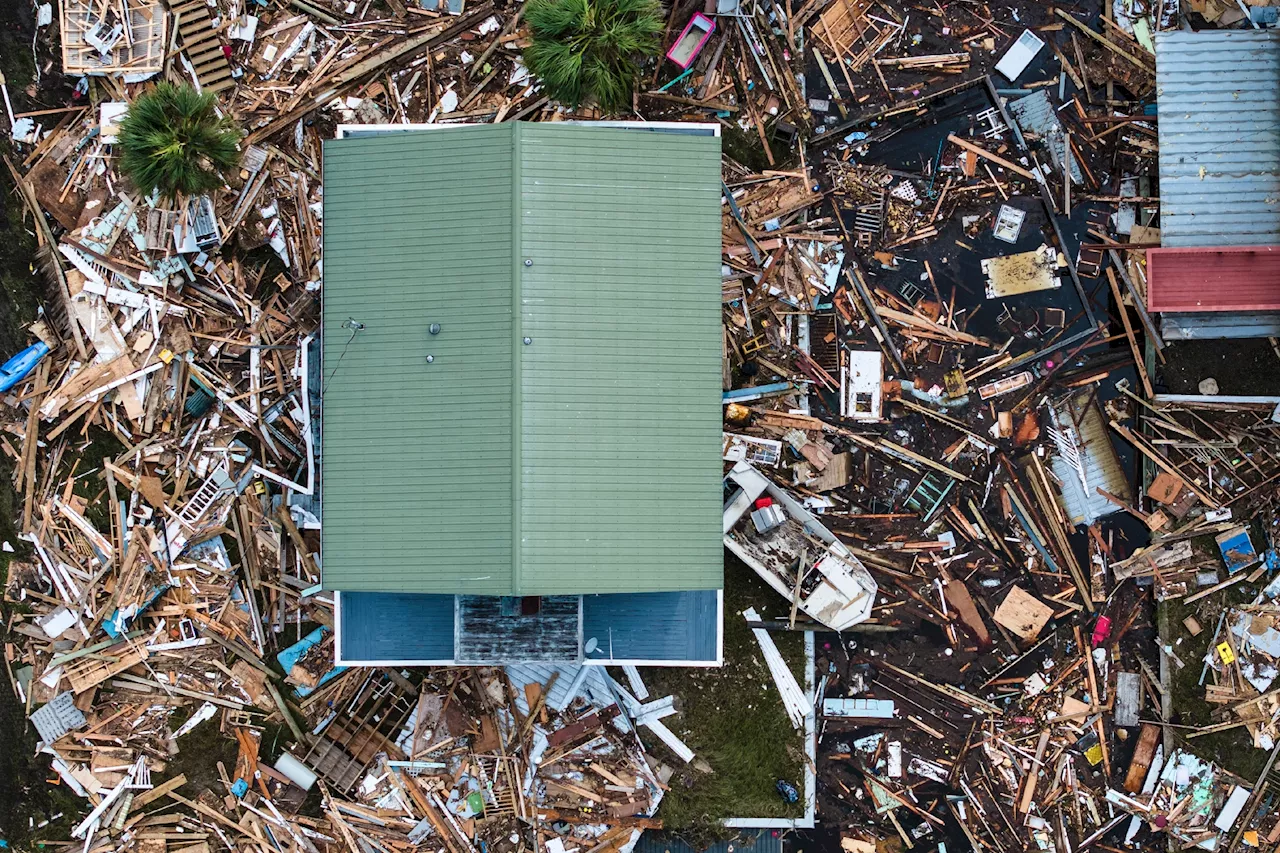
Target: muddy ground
point(26, 798)
point(1246, 367)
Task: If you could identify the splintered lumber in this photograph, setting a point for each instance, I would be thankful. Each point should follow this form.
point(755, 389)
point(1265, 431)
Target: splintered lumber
point(987, 155)
point(371, 64)
point(1162, 463)
point(955, 694)
point(552, 815)
point(90, 672)
point(1033, 774)
point(1138, 361)
point(1064, 15)
point(159, 791)
point(905, 319)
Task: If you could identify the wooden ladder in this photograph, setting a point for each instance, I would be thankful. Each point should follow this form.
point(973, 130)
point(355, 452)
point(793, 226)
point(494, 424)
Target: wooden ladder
point(202, 46)
point(1089, 261)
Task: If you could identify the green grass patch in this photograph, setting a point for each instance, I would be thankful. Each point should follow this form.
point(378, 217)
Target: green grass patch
point(1232, 749)
point(26, 797)
point(733, 719)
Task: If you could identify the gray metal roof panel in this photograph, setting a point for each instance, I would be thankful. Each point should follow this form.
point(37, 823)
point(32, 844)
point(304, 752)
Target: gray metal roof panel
point(1219, 132)
point(1101, 466)
point(1217, 324)
point(572, 681)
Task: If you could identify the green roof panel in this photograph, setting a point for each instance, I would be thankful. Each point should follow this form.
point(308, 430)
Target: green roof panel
point(621, 416)
point(585, 461)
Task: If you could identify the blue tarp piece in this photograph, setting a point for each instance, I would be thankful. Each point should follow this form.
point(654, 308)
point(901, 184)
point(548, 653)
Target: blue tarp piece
point(117, 624)
point(289, 657)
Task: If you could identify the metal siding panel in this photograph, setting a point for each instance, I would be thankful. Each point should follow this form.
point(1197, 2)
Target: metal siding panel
point(1101, 467)
point(620, 410)
point(654, 626)
point(1219, 114)
point(417, 457)
point(1205, 325)
point(423, 626)
point(592, 684)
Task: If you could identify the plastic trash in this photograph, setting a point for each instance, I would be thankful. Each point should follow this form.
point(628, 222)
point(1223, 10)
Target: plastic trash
point(16, 369)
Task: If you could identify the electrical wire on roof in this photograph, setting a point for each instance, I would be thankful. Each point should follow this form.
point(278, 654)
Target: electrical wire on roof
point(356, 328)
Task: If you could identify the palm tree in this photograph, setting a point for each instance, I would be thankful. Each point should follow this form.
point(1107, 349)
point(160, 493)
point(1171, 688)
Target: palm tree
point(587, 50)
point(174, 139)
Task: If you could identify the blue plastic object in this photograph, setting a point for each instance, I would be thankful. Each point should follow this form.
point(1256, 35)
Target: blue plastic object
point(16, 369)
point(290, 656)
point(788, 791)
point(1237, 551)
point(240, 787)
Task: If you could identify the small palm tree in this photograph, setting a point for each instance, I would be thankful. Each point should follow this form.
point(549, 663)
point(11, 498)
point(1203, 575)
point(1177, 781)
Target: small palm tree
point(587, 50)
point(173, 139)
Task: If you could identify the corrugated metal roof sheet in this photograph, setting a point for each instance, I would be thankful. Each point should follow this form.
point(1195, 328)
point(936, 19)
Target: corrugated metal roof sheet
point(585, 461)
point(1214, 279)
point(1098, 459)
point(1219, 137)
point(1187, 327)
point(1034, 114)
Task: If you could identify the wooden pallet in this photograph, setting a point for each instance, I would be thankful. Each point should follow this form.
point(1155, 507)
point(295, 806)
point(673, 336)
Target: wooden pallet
point(202, 46)
point(330, 761)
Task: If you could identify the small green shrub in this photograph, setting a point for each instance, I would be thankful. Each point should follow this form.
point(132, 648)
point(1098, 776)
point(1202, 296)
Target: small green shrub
point(173, 139)
point(588, 50)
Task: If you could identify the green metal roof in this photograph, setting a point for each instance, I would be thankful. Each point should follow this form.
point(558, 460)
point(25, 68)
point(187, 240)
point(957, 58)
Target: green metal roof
point(586, 461)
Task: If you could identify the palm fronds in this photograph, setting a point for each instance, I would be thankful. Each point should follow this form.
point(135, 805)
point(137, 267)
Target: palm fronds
point(173, 139)
point(587, 50)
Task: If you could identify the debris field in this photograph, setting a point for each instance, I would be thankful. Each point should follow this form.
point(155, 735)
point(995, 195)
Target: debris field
point(1039, 573)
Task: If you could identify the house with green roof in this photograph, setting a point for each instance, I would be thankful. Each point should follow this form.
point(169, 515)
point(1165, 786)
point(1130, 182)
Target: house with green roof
point(521, 393)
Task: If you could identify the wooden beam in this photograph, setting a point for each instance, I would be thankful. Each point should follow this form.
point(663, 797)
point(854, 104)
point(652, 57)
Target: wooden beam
point(1107, 44)
point(1163, 464)
point(987, 155)
point(1138, 360)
